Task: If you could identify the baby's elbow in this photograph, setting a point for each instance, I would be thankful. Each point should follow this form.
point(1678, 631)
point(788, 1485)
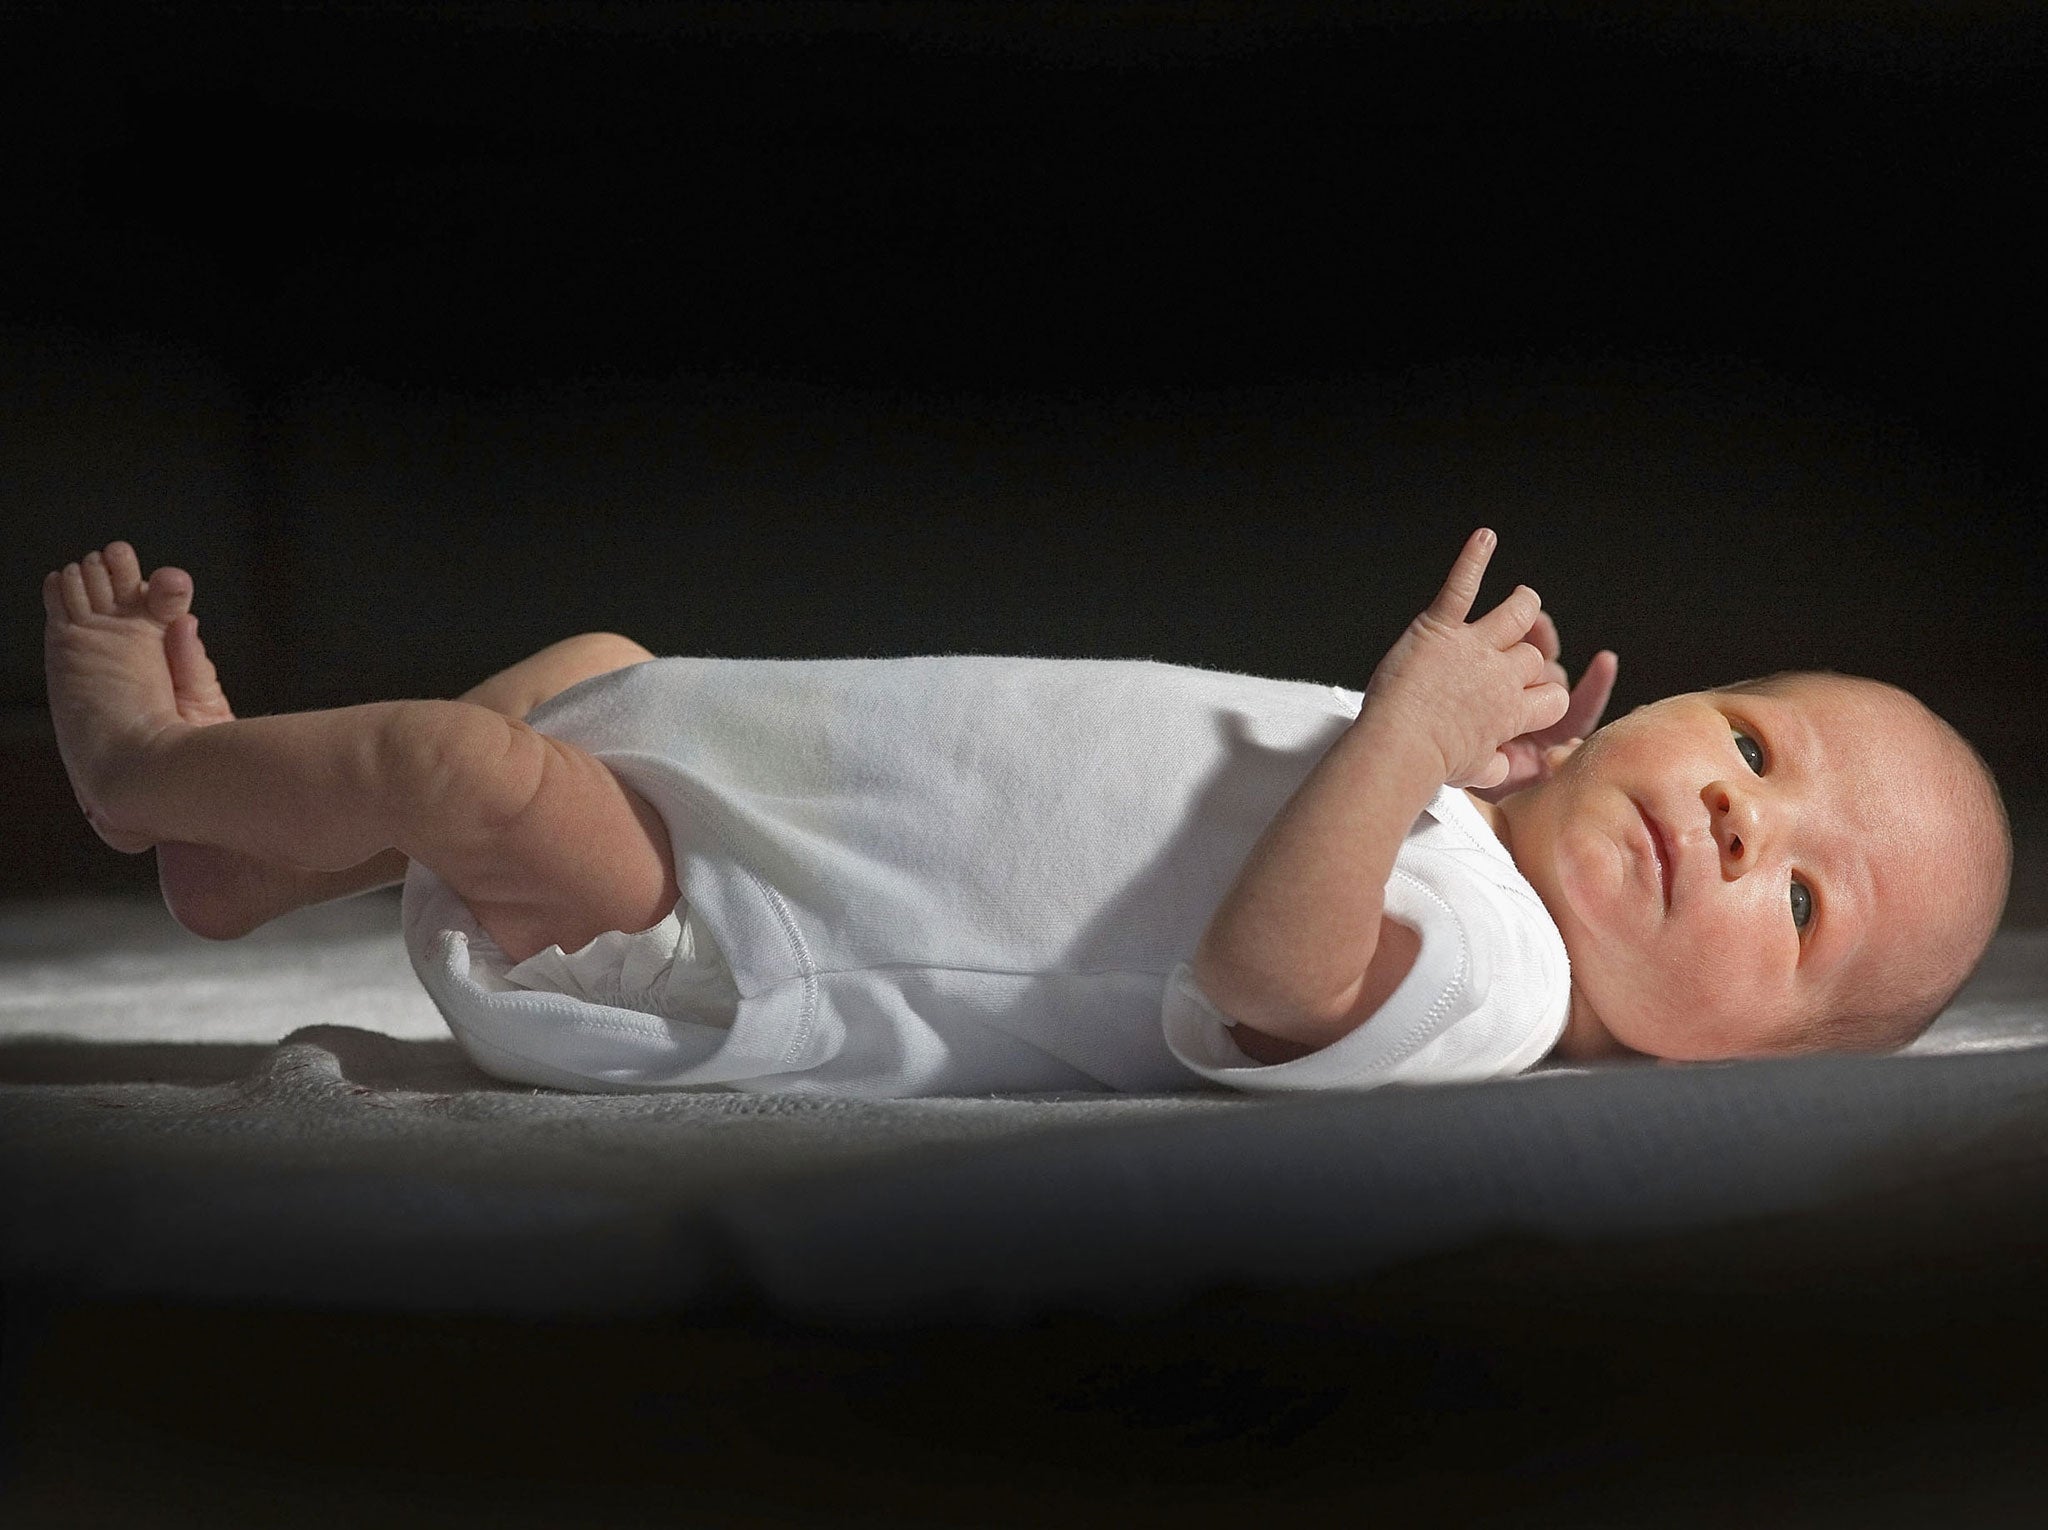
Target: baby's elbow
point(1254, 1001)
point(1227, 987)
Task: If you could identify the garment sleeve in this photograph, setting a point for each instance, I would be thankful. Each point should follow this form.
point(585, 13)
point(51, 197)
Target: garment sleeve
point(1485, 997)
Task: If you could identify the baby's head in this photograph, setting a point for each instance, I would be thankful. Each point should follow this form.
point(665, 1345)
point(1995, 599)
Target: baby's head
point(1803, 862)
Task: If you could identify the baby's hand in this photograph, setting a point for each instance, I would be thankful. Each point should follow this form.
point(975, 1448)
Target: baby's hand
point(1469, 687)
point(1529, 757)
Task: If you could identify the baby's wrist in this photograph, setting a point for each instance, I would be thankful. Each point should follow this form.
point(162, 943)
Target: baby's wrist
point(1403, 739)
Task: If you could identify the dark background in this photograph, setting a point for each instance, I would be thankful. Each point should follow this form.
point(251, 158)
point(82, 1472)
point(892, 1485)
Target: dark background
point(425, 336)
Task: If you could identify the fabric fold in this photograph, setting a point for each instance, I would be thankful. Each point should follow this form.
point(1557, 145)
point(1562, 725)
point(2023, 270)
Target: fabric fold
point(671, 969)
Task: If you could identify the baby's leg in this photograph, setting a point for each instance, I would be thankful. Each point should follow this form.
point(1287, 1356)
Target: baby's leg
point(516, 691)
point(539, 837)
point(223, 895)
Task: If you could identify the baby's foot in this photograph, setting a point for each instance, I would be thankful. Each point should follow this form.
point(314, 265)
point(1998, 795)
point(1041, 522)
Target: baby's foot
point(194, 680)
point(110, 686)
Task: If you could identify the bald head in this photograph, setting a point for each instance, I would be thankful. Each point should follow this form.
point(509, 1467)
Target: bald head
point(1949, 852)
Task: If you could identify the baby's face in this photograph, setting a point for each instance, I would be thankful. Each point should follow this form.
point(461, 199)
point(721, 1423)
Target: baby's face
point(1724, 865)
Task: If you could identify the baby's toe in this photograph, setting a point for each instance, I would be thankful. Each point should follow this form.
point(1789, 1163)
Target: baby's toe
point(99, 584)
point(170, 594)
point(124, 570)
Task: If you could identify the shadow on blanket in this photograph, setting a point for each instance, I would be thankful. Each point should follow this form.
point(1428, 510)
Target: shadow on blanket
point(1579, 1292)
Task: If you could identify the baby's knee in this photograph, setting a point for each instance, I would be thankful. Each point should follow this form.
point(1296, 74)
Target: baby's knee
point(613, 650)
point(455, 763)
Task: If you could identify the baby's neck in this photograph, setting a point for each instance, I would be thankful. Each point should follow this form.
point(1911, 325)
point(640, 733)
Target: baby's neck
point(1585, 1036)
point(1495, 818)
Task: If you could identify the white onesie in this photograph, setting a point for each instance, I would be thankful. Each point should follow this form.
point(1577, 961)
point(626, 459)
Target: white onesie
point(971, 875)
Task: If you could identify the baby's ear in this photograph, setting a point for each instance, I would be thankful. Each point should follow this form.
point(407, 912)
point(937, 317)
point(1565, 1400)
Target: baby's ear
point(1557, 754)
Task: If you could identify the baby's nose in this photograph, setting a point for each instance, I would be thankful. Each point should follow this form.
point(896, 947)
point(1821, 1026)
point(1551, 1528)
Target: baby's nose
point(1737, 823)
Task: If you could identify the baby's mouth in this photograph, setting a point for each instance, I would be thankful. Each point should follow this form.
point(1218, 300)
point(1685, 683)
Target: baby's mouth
point(1660, 848)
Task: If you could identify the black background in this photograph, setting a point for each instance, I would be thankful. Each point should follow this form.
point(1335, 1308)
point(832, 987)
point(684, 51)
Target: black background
point(425, 336)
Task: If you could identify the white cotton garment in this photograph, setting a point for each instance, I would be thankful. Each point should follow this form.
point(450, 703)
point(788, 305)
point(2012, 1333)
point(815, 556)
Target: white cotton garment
point(1488, 996)
point(969, 874)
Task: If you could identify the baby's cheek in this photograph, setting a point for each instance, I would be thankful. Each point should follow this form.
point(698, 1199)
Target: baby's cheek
point(1668, 1003)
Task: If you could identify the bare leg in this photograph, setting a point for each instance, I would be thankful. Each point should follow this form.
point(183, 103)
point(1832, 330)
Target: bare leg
point(542, 841)
point(518, 690)
point(538, 837)
point(224, 894)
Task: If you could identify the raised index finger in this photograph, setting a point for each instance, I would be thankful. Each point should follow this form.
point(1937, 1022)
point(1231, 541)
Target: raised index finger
point(1453, 602)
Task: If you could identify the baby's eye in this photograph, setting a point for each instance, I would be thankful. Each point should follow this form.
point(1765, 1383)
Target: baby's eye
point(1751, 751)
point(1802, 904)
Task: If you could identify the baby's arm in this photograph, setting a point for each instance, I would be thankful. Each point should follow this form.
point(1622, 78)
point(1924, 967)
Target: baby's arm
point(1289, 949)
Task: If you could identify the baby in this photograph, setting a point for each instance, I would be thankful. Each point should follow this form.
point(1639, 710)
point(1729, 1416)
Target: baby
point(975, 874)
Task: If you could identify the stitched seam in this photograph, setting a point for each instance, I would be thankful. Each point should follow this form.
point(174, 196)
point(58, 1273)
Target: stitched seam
point(1425, 1029)
point(535, 1002)
point(707, 823)
point(1464, 831)
point(807, 968)
point(635, 999)
point(807, 1016)
point(1516, 886)
point(1030, 972)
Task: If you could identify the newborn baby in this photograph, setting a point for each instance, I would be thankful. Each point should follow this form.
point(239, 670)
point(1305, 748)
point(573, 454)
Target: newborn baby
point(976, 874)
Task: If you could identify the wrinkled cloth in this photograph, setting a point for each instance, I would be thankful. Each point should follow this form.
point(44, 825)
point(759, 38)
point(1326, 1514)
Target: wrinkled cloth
point(1488, 996)
point(961, 875)
point(672, 969)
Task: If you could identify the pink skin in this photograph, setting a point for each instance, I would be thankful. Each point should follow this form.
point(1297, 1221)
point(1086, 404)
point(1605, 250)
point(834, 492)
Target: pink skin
point(1527, 756)
point(139, 636)
point(1719, 969)
point(125, 666)
point(110, 683)
point(1724, 970)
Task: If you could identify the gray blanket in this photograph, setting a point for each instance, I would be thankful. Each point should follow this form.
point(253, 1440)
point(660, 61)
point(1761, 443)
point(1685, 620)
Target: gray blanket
point(284, 1120)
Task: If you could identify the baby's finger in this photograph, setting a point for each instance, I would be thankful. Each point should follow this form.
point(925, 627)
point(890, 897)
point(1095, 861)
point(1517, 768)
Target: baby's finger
point(1454, 601)
point(1527, 662)
point(1542, 639)
point(1546, 706)
point(1589, 696)
point(1509, 622)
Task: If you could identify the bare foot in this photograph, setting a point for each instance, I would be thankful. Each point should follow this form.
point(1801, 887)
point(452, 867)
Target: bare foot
point(193, 679)
point(110, 688)
point(124, 663)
